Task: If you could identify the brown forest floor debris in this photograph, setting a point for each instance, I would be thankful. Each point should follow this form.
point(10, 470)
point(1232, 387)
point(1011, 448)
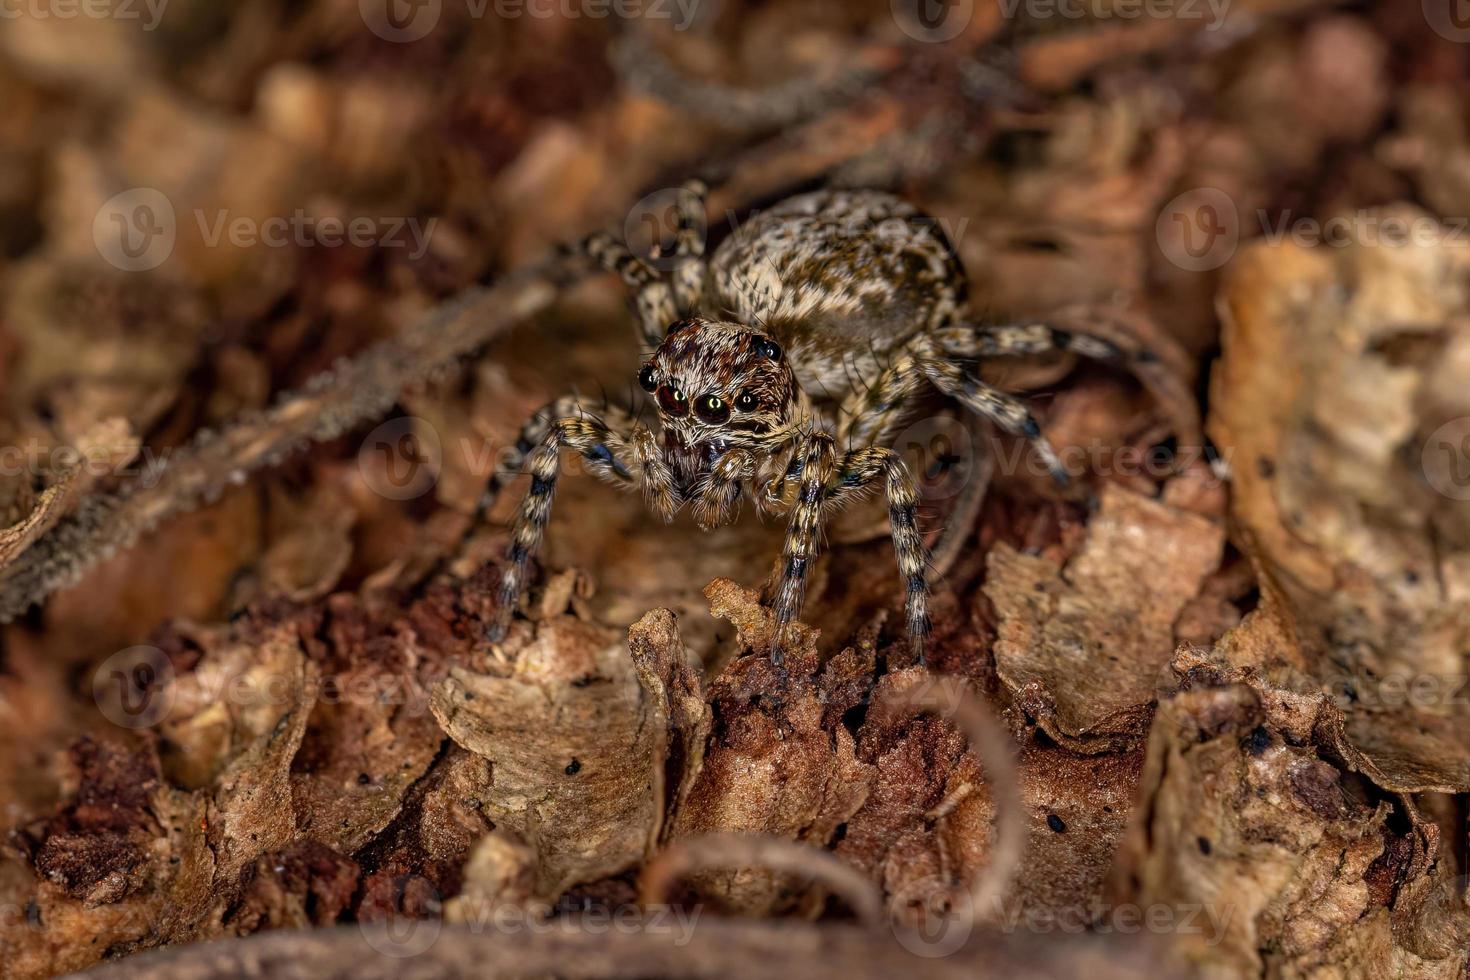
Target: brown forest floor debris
point(1203, 712)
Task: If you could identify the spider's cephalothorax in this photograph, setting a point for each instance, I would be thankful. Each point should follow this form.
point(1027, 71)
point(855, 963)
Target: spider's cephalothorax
point(719, 386)
point(780, 370)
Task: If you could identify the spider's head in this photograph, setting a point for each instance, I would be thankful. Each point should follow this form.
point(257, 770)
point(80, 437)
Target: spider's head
point(720, 384)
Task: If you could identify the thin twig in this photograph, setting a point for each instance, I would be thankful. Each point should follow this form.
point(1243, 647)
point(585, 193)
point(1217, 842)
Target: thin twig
point(712, 948)
point(365, 387)
point(735, 851)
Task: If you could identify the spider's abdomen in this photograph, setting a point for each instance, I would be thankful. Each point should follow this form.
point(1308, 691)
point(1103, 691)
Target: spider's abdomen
point(838, 277)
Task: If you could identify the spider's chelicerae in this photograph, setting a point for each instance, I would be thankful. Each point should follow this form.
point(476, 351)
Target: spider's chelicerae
point(780, 369)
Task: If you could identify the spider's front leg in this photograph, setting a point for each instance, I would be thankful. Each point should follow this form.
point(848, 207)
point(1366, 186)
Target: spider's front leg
point(826, 484)
point(817, 454)
point(625, 460)
point(859, 473)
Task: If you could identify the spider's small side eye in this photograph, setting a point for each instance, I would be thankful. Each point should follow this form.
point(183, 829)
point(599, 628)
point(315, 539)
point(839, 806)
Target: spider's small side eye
point(712, 408)
point(768, 348)
point(747, 402)
point(646, 378)
point(672, 400)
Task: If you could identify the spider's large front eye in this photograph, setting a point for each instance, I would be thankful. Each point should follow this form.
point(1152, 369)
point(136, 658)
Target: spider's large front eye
point(672, 400)
point(747, 402)
point(712, 409)
point(646, 378)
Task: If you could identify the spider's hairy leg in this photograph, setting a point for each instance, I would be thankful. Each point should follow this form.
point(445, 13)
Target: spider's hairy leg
point(607, 454)
point(858, 473)
point(651, 295)
point(716, 498)
point(818, 455)
point(532, 433)
point(689, 268)
point(970, 342)
point(871, 412)
point(1006, 411)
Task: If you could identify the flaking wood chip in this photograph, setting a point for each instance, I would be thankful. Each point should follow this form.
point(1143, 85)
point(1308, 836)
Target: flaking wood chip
point(1284, 864)
point(1403, 752)
point(371, 734)
point(565, 727)
point(772, 767)
point(1341, 401)
point(135, 861)
point(678, 714)
point(1082, 647)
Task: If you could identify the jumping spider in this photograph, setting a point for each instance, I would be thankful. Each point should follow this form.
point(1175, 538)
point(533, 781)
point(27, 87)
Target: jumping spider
point(788, 359)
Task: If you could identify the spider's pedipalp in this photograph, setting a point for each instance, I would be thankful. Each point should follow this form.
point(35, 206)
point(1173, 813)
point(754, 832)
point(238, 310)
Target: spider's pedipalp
point(716, 499)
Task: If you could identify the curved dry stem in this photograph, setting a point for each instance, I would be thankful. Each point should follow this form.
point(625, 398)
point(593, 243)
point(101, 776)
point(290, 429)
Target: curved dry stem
point(642, 65)
point(950, 698)
point(727, 851)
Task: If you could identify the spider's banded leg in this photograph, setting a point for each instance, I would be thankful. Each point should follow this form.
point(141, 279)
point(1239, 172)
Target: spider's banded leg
point(870, 413)
point(689, 268)
point(1006, 411)
point(859, 472)
point(818, 455)
point(532, 433)
point(716, 499)
point(651, 295)
point(1023, 339)
point(608, 456)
